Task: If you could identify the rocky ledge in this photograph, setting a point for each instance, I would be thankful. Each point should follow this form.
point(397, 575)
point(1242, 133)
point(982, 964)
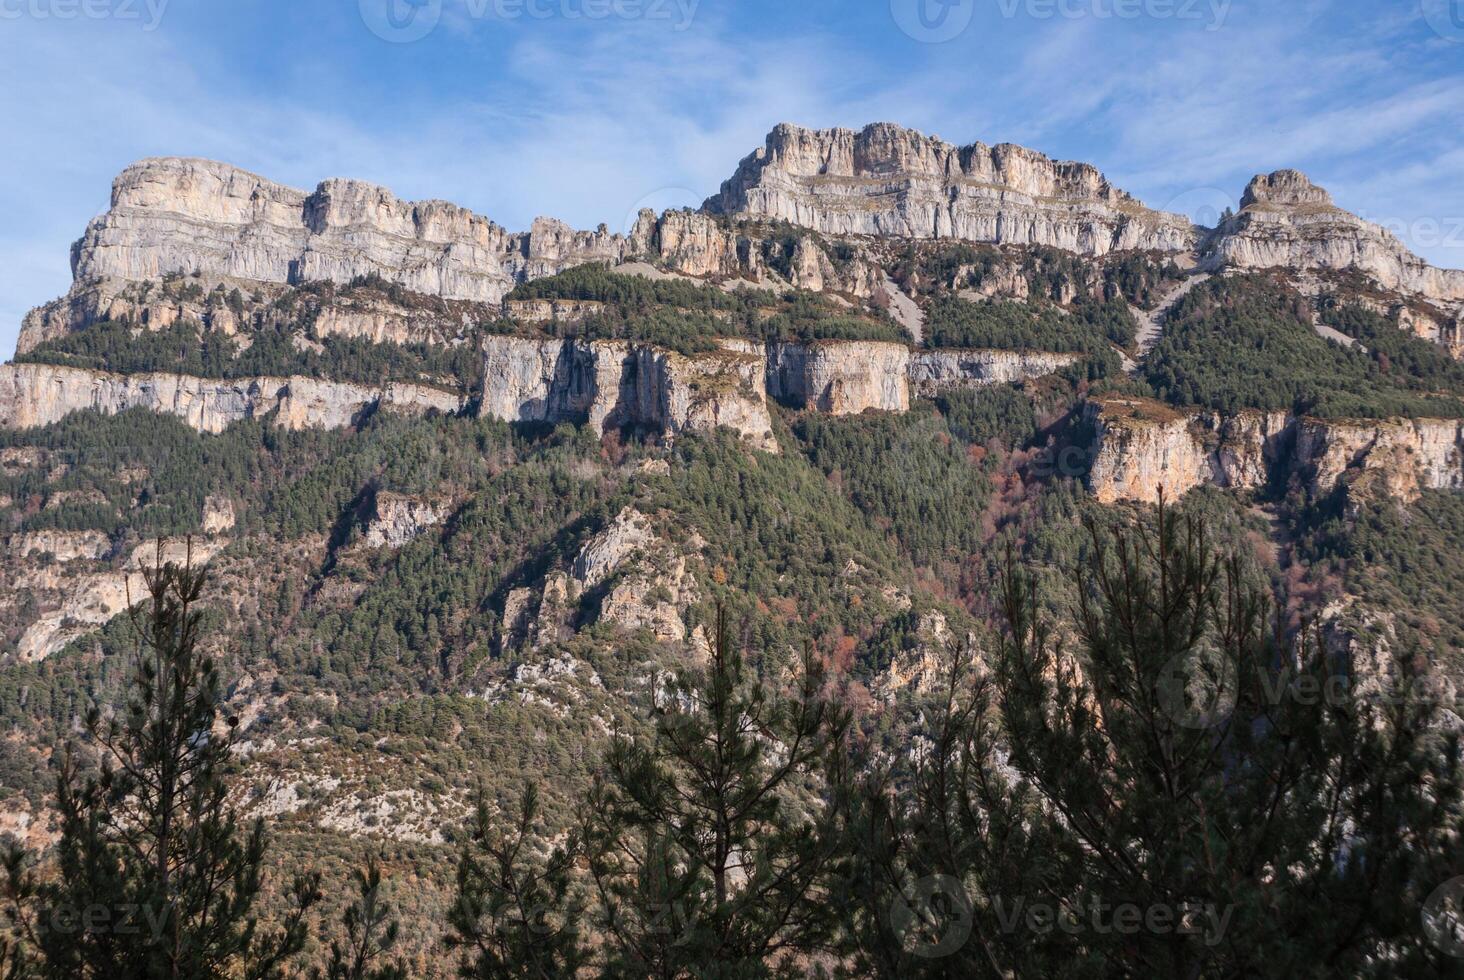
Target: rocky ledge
point(40, 394)
point(1141, 447)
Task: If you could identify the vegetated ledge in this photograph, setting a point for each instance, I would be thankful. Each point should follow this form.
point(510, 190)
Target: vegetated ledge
point(1141, 447)
point(602, 383)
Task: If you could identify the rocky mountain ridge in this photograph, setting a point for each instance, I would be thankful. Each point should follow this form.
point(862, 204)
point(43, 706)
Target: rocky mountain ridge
point(851, 190)
point(889, 181)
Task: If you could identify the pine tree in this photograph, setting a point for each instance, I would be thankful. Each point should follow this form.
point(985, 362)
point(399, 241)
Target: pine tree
point(1187, 791)
point(517, 913)
point(371, 932)
point(155, 877)
point(712, 844)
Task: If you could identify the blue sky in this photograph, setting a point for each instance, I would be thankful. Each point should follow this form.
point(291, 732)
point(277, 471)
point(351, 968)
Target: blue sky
point(589, 109)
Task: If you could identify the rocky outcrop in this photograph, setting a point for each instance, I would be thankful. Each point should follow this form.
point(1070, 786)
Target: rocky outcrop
point(933, 371)
point(889, 181)
point(1140, 447)
point(197, 216)
point(535, 311)
point(722, 389)
point(61, 545)
point(841, 377)
point(218, 514)
point(397, 519)
point(1286, 221)
point(846, 377)
point(641, 581)
point(41, 394)
point(1407, 455)
point(78, 604)
point(691, 243)
point(614, 384)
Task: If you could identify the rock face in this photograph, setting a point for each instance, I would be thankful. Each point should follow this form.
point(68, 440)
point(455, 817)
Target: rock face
point(1286, 221)
point(40, 394)
point(218, 514)
point(397, 519)
point(86, 601)
point(643, 582)
point(61, 545)
point(841, 378)
point(1141, 449)
point(613, 383)
point(846, 377)
point(1140, 446)
point(889, 181)
point(933, 371)
point(189, 216)
point(1407, 455)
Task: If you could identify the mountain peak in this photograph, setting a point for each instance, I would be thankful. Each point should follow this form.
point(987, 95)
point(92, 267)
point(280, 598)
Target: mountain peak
point(889, 181)
point(1285, 188)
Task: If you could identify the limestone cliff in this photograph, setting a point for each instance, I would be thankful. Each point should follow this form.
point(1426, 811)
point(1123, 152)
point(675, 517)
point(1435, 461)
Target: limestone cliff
point(75, 604)
point(933, 371)
point(1141, 449)
point(642, 582)
point(40, 394)
point(1140, 446)
point(846, 377)
point(1408, 455)
point(397, 519)
point(175, 216)
point(889, 181)
point(841, 377)
point(614, 383)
